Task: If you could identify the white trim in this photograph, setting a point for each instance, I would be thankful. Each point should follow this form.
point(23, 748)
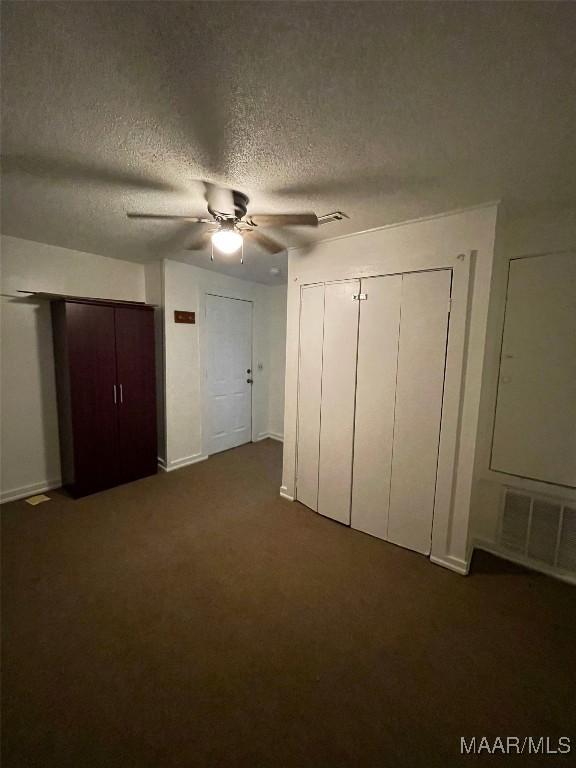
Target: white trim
point(284, 493)
point(183, 462)
point(269, 435)
point(548, 570)
point(451, 415)
point(29, 490)
point(452, 563)
point(395, 224)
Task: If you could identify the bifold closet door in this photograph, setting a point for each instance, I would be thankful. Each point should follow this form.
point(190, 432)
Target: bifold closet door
point(375, 401)
point(338, 396)
point(309, 393)
point(419, 391)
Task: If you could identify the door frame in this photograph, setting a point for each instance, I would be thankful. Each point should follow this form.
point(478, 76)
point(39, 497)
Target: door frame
point(446, 497)
point(203, 364)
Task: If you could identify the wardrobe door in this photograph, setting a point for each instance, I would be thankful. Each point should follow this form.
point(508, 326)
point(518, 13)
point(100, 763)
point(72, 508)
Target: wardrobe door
point(309, 393)
point(419, 392)
point(375, 399)
point(88, 419)
point(338, 394)
point(136, 380)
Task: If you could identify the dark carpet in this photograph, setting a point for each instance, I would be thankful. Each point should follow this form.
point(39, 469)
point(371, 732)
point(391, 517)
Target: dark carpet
point(197, 619)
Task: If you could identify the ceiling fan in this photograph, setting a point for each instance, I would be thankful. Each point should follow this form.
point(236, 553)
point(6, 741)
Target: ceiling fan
point(231, 223)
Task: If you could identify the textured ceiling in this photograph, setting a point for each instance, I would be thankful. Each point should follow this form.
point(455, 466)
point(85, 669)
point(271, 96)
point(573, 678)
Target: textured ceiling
point(387, 111)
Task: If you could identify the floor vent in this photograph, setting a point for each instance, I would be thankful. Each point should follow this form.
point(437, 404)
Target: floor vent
point(538, 529)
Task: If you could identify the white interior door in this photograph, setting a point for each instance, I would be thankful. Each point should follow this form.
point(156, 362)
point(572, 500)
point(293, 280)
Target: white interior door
point(418, 411)
point(375, 400)
point(309, 394)
point(535, 427)
point(338, 395)
point(228, 368)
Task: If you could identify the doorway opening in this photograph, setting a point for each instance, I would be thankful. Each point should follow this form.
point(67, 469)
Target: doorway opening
point(228, 373)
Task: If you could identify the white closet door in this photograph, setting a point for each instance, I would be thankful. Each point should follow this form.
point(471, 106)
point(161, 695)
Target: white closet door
point(535, 427)
point(338, 395)
point(229, 358)
point(375, 398)
point(419, 390)
point(309, 394)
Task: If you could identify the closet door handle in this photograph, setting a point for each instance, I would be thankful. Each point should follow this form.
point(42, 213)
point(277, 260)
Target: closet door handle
point(121, 394)
point(115, 399)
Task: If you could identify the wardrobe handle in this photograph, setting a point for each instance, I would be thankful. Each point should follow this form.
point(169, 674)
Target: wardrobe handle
point(115, 401)
point(121, 395)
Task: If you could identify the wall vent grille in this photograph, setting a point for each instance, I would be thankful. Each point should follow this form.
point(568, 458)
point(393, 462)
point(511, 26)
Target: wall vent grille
point(567, 548)
point(538, 529)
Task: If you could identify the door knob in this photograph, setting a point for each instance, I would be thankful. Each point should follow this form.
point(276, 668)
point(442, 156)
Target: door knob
point(249, 381)
point(248, 370)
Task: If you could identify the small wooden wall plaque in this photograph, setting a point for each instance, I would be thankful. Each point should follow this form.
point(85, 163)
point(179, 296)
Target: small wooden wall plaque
point(181, 316)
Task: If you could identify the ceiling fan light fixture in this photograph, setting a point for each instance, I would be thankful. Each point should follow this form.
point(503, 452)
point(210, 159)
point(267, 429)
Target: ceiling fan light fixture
point(227, 240)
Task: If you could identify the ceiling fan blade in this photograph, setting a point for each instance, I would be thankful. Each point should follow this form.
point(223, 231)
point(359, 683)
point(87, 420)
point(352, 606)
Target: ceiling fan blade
point(265, 242)
point(220, 199)
point(284, 219)
point(163, 216)
point(199, 243)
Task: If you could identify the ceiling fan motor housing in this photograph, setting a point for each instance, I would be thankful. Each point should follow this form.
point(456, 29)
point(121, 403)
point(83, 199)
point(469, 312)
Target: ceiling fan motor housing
point(240, 207)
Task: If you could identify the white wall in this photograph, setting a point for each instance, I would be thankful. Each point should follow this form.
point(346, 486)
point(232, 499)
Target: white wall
point(30, 454)
point(535, 232)
point(185, 287)
point(30, 459)
point(428, 243)
point(277, 296)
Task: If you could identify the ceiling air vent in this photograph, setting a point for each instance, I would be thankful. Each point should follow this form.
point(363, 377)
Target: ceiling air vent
point(540, 530)
point(335, 216)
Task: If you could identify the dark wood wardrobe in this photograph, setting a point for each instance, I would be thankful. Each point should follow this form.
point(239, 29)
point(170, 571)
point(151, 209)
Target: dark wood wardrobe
point(105, 377)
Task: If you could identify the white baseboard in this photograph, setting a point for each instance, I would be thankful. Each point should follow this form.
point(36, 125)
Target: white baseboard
point(183, 462)
point(549, 570)
point(284, 493)
point(269, 435)
point(452, 563)
point(29, 490)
